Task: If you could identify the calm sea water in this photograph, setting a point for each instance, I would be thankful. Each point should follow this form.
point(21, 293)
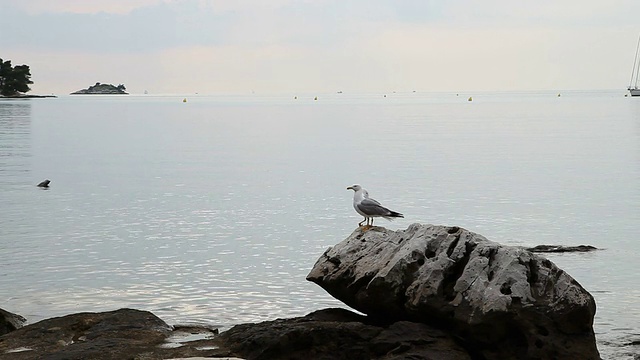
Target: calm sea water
point(213, 211)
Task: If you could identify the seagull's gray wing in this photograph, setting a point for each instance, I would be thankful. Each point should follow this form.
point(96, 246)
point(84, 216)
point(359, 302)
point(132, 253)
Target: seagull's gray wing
point(373, 208)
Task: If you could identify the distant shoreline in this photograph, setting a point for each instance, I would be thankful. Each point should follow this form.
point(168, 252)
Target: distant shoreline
point(27, 96)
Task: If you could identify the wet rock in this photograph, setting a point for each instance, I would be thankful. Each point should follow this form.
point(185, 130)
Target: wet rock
point(120, 334)
point(10, 321)
point(561, 248)
point(503, 302)
point(336, 334)
point(133, 334)
point(44, 184)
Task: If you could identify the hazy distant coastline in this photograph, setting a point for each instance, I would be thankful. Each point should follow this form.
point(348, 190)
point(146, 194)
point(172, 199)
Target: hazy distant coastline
point(22, 96)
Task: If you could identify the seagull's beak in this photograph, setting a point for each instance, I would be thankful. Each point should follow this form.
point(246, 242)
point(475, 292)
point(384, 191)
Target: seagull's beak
point(350, 188)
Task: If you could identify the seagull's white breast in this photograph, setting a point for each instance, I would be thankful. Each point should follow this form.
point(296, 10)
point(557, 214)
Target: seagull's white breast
point(358, 196)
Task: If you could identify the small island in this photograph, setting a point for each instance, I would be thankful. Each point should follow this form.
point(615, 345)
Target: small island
point(99, 88)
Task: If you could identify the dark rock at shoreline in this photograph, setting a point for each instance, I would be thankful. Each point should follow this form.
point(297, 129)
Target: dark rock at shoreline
point(44, 184)
point(10, 321)
point(561, 248)
point(503, 302)
point(336, 334)
point(114, 335)
point(133, 334)
point(102, 89)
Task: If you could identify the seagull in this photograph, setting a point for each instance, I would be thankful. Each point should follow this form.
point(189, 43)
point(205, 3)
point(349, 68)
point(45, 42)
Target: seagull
point(370, 208)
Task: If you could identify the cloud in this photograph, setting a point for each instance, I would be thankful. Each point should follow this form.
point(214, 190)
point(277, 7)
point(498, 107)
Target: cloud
point(80, 7)
point(150, 25)
point(566, 13)
point(148, 28)
point(322, 45)
point(172, 24)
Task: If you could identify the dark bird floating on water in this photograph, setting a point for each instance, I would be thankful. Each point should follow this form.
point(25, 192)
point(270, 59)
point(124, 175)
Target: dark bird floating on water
point(44, 184)
point(370, 208)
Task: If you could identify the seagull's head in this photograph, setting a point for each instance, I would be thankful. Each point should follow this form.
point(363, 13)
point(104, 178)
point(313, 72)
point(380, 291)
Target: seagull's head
point(354, 187)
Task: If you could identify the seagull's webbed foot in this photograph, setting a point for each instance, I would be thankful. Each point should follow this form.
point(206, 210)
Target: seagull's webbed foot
point(366, 227)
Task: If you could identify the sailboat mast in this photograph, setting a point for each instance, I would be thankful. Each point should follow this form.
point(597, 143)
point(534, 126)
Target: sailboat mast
point(636, 67)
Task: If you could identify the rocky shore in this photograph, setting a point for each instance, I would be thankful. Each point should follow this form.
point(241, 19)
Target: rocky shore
point(427, 292)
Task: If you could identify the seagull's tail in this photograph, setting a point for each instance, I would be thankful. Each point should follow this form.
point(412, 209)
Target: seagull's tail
point(393, 214)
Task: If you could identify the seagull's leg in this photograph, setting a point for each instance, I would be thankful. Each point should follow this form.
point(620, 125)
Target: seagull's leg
point(360, 223)
point(367, 227)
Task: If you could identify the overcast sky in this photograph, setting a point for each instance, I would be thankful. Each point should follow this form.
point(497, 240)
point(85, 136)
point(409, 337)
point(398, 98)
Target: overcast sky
point(305, 46)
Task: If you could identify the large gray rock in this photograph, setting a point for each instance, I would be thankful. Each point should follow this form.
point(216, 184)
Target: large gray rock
point(503, 302)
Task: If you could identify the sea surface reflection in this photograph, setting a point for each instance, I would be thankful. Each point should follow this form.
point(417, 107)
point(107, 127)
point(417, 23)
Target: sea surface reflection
point(214, 211)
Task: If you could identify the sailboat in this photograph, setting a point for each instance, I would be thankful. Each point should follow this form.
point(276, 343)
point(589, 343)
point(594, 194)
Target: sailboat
point(633, 84)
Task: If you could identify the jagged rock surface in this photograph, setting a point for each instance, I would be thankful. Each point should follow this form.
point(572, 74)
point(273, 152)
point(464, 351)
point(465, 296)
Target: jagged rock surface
point(504, 302)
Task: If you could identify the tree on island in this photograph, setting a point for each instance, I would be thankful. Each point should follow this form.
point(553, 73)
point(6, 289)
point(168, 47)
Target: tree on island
point(119, 87)
point(14, 79)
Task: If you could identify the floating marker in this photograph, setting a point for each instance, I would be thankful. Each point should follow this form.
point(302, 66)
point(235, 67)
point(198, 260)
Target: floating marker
point(470, 98)
point(184, 100)
point(315, 98)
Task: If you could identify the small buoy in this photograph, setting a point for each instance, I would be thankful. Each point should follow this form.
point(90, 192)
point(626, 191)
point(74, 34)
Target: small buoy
point(385, 95)
point(44, 184)
point(295, 98)
point(315, 98)
point(558, 94)
point(470, 98)
point(184, 100)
